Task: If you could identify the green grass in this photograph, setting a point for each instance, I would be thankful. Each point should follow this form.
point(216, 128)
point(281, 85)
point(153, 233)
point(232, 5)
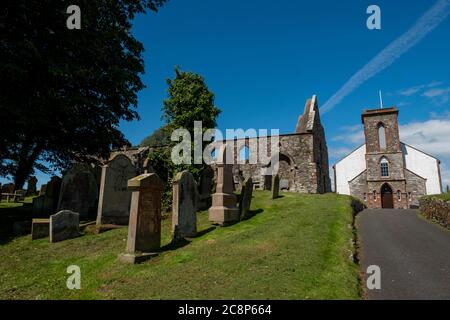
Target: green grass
point(297, 247)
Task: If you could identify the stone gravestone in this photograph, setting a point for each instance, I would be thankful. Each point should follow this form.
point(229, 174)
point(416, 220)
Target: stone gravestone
point(45, 205)
point(205, 188)
point(224, 210)
point(246, 198)
point(144, 230)
point(31, 189)
point(64, 225)
point(185, 195)
point(115, 198)
point(40, 228)
point(267, 182)
point(275, 186)
point(284, 184)
point(43, 189)
point(79, 190)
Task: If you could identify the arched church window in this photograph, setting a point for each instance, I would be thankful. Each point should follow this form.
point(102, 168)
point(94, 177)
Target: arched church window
point(384, 166)
point(244, 154)
point(399, 195)
point(381, 136)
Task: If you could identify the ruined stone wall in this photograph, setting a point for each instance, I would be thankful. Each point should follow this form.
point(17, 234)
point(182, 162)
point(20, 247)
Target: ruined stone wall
point(303, 162)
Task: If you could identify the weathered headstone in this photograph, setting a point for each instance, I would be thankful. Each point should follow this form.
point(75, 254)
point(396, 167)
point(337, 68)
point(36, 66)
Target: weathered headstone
point(246, 198)
point(275, 186)
point(284, 184)
point(224, 210)
point(45, 205)
point(40, 228)
point(185, 197)
point(43, 189)
point(144, 230)
point(115, 198)
point(205, 188)
point(64, 225)
point(267, 182)
point(79, 190)
point(31, 189)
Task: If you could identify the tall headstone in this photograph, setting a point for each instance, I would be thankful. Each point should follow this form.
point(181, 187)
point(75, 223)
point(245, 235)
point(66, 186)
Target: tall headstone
point(64, 225)
point(31, 189)
point(275, 186)
point(246, 198)
point(43, 189)
point(79, 190)
point(144, 230)
point(205, 188)
point(115, 198)
point(224, 210)
point(267, 182)
point(185, 197)
point(46, 204)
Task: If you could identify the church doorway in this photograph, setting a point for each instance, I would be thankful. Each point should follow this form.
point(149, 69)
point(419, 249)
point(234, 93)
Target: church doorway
point(387, 200)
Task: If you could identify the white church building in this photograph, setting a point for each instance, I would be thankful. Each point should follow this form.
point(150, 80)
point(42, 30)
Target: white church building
point(385, 172)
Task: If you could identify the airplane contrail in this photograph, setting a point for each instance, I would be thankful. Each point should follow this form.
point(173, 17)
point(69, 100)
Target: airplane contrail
point(424, 25)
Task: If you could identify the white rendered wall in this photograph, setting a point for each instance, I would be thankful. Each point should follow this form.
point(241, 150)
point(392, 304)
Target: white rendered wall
point(348, 168)
point(424, 166)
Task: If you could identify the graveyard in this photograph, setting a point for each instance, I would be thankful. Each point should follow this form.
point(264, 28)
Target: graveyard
point(297, 246)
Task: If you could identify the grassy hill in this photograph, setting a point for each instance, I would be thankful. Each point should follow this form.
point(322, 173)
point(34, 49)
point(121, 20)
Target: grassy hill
point(295, 247)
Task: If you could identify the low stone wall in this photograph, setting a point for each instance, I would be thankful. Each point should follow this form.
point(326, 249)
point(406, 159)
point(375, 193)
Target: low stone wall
point(357, 205)
point(436, 210)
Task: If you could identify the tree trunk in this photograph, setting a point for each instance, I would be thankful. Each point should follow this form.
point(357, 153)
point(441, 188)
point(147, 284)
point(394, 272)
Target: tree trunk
point(25, 164)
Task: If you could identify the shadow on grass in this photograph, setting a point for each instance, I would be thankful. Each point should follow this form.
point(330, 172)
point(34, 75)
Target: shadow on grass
point(175, 245)
point(251, 214)
point(203, 232)
point(279, 197)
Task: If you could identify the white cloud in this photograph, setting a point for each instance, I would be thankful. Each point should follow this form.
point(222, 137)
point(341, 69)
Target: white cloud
point(339, 152)
point(353, 135)
point(424, 25)
point(431, 136)
point(413, 90)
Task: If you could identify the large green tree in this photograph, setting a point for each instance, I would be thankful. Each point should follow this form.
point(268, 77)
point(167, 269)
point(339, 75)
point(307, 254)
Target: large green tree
point(189, 100)
point(63, 92)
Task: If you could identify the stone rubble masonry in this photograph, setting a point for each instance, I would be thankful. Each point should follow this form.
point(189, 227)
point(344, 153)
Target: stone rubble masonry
point(303, 155)
point(436, 210)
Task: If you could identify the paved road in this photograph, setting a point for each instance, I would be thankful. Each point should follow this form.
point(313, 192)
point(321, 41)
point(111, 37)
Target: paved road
point(412, 253)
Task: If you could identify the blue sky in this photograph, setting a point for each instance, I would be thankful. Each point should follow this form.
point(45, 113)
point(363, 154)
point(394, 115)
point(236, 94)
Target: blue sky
point(263, 59)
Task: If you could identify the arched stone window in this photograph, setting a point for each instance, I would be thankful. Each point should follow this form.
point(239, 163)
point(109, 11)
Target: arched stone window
point(399, 195)
point(375, 195)
point(384, 167)
point(244, 154)
point(381, 136)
